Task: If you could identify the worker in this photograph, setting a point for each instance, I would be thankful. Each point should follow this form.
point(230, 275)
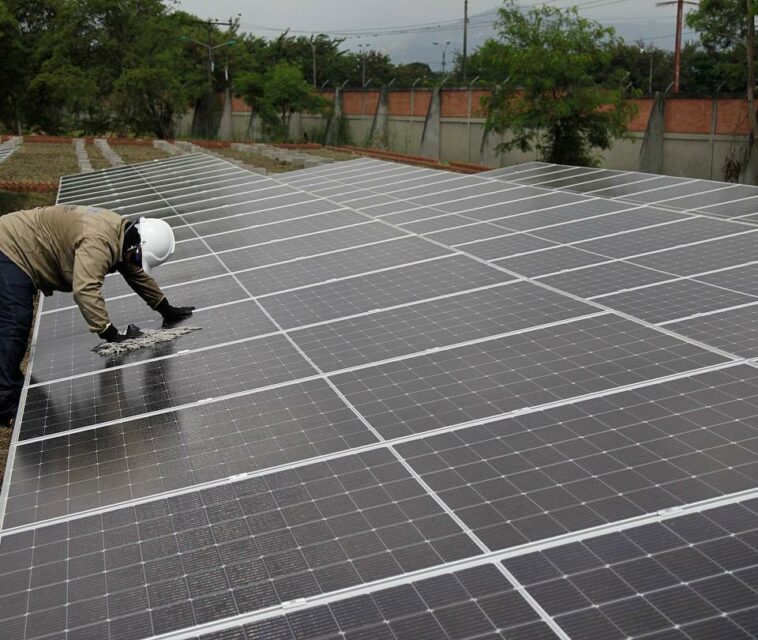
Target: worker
point(72, 248)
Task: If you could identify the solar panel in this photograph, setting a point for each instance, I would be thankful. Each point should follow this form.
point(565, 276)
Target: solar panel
point(7, 149)
point(519, 404)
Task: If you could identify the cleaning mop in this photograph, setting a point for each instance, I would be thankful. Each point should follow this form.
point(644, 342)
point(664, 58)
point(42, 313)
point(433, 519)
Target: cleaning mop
point(148, 338)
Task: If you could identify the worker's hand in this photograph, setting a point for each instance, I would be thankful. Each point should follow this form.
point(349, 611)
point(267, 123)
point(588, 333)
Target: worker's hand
point(173, 314)
point(111, 334)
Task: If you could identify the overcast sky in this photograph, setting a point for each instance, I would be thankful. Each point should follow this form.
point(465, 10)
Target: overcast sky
point(633, 20)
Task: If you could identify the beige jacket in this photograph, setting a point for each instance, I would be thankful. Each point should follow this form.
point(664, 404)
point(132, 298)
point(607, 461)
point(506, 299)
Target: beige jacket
point(72, 248)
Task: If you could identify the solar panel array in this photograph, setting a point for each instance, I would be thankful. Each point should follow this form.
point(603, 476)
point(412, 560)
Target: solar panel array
point(521, 404)
point(7, 149)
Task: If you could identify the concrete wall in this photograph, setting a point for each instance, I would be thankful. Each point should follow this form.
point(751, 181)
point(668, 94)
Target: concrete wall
point(698, 134)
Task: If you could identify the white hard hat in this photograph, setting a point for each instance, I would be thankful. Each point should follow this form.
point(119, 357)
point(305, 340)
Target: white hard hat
point(157, 242)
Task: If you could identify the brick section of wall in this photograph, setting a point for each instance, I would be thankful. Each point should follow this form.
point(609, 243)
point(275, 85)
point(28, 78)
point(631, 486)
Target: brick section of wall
point(640, 120)
point(688, 116)
point(240, 106)
point(356, 103)
point(421, 103)
point(399, 103)
point(731, 117)
point(455, 103)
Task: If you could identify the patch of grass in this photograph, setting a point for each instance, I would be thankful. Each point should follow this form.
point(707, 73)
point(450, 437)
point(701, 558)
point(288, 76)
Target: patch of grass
point(254, 160)
point(337, 156)
point(132, 154)
point(96, 157)
point(40, 162)
point(10, 201)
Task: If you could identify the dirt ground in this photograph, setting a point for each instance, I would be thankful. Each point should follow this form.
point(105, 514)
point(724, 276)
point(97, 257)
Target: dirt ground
point(40, 162)
point(131, 154)
point(273, 166)
point(253, 160)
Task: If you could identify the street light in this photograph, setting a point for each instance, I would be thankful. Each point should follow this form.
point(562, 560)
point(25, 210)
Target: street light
point(364, 53)
point(313, 49)
point(650, 75)
point(210, 48)
point(444, 52)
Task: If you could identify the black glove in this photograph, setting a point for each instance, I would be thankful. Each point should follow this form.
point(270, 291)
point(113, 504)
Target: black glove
point(111, 334)
point(173, 314)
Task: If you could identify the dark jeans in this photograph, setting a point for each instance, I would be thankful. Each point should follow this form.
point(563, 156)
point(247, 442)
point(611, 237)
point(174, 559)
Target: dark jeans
point(16, 312)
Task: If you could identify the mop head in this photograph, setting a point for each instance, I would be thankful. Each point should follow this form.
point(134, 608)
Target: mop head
point(148, 338)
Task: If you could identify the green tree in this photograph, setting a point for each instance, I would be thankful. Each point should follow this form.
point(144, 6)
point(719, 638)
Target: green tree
point(638, 60)
point(158, 80)
point(727, 27)
point(552, 103)
point(27, 25)
point(489, 62)
point(407, 74)
point(109, 65)
point(281, 92)
point(12, 53)
point(722, 27)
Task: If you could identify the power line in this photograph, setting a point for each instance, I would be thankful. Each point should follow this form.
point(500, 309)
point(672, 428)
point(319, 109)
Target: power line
point(440, 25)
point(372, 34)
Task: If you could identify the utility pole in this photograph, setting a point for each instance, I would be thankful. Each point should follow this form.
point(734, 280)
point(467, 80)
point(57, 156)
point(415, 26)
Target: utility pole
point(209, 26)
point(649, 51)
point(444, 47)
point(465, 37)
point(678, 46)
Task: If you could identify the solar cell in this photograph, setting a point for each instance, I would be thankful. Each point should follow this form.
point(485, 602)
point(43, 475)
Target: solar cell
point(688, 577)
point(586, 464)
point(408, 413)
point(156, 385)
point(473, 603)
point(218, 552)
point(733, 330)
point(550, 261)
point(342, 263)
point(436, 323)
point(222, 320)
point(604, 279)
point(506, 374)
point(580, 210)
point(179, 449)
point(671, 300)
point(606, 225)
point(709, 255)
point(402, 285)
point(664, 236)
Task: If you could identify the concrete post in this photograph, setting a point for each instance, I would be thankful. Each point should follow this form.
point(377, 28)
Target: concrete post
point(749, 173)
point(712, 138)
point(430, 138)
point(333, 126)
point(651, 153)
point(81, 156)
point(225, 124)
point(378, 135)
